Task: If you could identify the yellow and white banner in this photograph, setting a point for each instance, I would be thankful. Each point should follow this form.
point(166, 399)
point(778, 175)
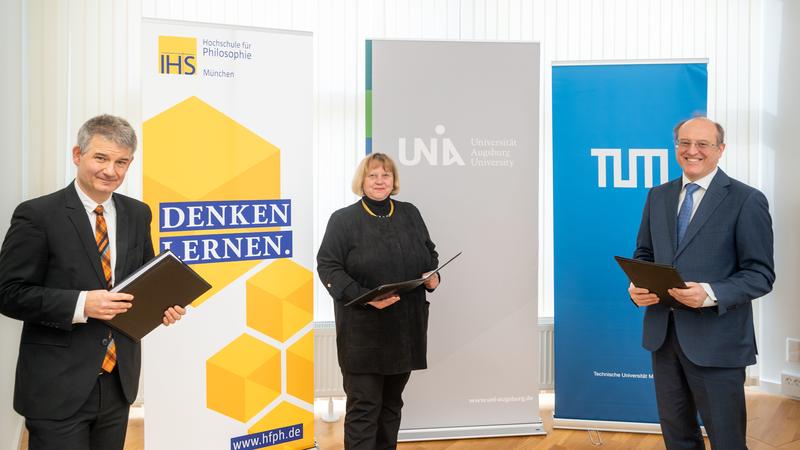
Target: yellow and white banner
point(227, 148)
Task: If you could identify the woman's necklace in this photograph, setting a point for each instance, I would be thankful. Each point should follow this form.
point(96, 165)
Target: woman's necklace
point(391, 209)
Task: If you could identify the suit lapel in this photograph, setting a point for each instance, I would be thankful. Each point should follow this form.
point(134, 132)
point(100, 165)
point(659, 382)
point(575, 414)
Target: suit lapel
point(717, 191)
point(121, 239)
point(83, 228)
point(671, 206)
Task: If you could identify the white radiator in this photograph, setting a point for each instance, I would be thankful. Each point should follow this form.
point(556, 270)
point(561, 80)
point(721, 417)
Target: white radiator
point(328, 376)
point(546, 361)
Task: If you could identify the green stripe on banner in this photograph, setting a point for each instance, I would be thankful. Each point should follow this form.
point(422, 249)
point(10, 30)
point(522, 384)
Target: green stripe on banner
point(368, 96)
point(368, 100)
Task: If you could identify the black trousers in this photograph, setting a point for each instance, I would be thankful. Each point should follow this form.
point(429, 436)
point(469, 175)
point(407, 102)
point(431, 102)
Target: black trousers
point(683, 389)
point(374, 402)
point(100, 424)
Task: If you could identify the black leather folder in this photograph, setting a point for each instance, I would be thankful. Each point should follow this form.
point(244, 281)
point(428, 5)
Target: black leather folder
point(657, 278)
point(388, 290)
point(162, 282)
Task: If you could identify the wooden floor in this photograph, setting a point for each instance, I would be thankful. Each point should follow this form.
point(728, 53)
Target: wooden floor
point(773, 423)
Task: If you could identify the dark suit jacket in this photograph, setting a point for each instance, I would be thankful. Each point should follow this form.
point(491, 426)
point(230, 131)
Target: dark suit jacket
point(49, 255)
point(729, 245)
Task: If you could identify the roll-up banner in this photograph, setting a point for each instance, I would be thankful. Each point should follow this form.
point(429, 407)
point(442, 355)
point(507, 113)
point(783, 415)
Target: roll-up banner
point(226, 149)
point(612, 142)
point(461, 121)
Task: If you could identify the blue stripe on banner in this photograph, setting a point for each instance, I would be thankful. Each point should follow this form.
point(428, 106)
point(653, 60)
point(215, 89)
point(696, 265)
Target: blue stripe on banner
point(267, 438)
point(185, 216)
point(368, 63)
point(604, 117)
point(212, 248)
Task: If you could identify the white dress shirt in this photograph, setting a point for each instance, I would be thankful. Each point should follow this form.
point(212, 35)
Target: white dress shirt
point(110, 214)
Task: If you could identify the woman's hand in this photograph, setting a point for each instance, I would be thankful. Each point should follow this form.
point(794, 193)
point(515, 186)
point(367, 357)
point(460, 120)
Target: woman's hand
point(385, 302)
point(432, 282)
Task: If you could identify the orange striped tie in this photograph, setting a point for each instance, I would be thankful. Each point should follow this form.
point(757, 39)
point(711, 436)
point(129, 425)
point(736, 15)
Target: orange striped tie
point(110, 360)
point(101, 236)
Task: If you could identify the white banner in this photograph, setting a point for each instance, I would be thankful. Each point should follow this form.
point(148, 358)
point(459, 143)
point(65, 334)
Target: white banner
point(461, 119)
point(227, 148)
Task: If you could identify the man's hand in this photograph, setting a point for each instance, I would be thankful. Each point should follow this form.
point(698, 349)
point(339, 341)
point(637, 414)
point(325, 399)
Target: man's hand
point(172, 315)
point(104, 305)
point(693, 295)
point(641, 296)
point(385, 302)
point(432, 282)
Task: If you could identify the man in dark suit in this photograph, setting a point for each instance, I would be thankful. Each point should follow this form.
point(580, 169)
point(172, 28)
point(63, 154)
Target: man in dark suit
point(76, 377)
point(718, 233)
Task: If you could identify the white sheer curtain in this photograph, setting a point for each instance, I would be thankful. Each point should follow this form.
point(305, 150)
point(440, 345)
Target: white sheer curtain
point(12, 168)
point(84, 60)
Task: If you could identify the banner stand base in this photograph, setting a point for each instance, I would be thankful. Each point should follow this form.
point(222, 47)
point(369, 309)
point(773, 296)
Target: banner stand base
point(480, 431)
point(605, 425)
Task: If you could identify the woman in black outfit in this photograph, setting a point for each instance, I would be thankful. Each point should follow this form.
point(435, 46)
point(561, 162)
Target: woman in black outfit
point(375, 241)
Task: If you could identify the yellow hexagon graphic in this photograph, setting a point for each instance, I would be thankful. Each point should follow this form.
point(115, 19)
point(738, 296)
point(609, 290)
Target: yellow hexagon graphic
point(287, 415)
point(243, 378)
point(280, 299)
point(300, 368)
point(193, 152)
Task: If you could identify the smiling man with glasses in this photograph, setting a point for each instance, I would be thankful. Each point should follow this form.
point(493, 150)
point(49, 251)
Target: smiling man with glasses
point(717, 231)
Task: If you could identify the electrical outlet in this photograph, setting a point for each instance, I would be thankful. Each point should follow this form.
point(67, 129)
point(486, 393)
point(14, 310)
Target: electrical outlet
point(790, 384)
point(792, 350)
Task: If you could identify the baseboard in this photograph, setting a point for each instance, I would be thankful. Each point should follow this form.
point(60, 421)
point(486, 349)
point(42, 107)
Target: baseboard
point(768, 387)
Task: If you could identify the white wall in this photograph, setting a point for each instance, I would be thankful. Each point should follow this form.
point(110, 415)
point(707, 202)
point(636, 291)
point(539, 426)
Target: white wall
point(780, 311)
point(11, 193)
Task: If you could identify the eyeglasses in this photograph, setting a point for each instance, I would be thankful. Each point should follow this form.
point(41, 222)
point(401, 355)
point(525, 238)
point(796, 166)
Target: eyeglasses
point(687, 144)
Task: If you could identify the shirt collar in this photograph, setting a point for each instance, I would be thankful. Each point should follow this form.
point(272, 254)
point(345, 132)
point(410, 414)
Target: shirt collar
point(90, 204)
point(704, 182)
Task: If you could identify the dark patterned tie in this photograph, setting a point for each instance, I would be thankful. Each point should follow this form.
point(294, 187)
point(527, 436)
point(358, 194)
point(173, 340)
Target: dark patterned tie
point(685, 212)
point(101, 236)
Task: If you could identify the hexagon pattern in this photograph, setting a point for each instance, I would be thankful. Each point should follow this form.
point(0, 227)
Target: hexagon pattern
point(280, 299)
point(300, 368)
point(286, 414)
point(243, 378)
point(183, 162)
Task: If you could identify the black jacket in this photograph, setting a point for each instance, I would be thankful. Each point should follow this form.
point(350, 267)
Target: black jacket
point(48, 256)
point(360, 252)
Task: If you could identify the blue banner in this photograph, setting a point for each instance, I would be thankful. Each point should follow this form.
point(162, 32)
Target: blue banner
point(612, 141)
